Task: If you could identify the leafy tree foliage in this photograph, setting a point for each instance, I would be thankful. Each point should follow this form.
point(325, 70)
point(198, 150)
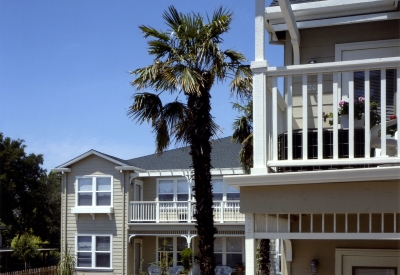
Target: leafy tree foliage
point(243, 133)
point(188, 61)
point(26, 247)
point(29, 199)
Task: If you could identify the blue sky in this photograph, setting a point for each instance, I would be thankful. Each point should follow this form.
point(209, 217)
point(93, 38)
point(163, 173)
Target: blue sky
point(64, 81)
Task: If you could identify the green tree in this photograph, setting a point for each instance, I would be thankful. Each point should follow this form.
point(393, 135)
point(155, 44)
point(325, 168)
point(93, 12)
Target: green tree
point(188, 61)
point(25, 247)
point(29, 199)
point(243, 133)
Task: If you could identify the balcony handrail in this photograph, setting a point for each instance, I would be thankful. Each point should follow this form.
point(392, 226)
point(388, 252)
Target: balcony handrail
point(328, 67)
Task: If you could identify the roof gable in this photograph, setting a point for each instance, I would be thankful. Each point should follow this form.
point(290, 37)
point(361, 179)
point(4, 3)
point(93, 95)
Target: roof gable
point(97, 153)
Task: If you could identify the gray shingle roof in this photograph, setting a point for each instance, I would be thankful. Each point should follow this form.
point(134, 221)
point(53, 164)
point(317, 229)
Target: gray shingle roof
point(276, 3)
point(224, 155)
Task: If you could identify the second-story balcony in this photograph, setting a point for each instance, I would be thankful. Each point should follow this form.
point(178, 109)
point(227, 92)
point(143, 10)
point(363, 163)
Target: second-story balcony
point(181, 212)
point(298, 98)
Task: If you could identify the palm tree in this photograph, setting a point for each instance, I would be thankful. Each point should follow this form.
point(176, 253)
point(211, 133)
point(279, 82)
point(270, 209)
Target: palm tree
point(243, 133)
point(188, 61)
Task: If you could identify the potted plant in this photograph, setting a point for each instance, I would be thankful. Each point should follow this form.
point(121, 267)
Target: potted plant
point(239, 266)
point(187, 259)
point(359, 109)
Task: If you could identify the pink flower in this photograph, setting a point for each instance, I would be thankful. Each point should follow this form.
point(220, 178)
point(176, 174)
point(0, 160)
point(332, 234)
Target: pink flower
point(361, 99)
point(341, 103)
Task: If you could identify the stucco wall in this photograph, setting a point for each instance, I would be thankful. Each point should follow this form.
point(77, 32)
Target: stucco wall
point(347, 197)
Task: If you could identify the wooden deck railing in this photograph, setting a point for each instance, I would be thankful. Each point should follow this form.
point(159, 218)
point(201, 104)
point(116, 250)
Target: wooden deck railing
point(167, 212)
point(311, 90)
point(50, 270)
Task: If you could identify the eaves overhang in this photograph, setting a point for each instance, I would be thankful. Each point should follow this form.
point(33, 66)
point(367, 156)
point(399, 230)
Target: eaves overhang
point(316, 177)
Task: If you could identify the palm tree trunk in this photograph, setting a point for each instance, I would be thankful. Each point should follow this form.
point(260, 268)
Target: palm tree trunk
point(200, 150)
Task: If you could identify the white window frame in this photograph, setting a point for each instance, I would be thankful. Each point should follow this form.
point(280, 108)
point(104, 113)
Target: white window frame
point(175, 183)
point(225, 252)
point(94, 209)
point(93, 252)
point(224, 188)
point(174, 248)
point(94, 191)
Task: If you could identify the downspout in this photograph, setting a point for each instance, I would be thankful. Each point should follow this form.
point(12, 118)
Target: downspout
point(291, 24)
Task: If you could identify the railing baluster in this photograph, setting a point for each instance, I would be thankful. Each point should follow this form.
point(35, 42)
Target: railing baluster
point(288, 221)
point(351, 114)
point(370, 222)
point(311, 223)
point(367, 117)
point(398, 108)
point(383, 112)
point(394, 223)
point(323, 222)
point(382, 222)
point(334, 222)
point(305, 118)
point(335, 116)
point(358, 222)
point(299, 223)
point(274, 119)
point(320, 121)
point(290, 117)
point(345, 222)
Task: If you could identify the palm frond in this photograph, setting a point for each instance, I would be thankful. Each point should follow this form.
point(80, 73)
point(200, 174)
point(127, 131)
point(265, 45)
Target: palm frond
point(150, 31)
point(146, 107)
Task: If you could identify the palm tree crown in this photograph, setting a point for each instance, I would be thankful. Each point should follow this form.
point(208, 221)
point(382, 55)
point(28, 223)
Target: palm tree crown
point(188, 60)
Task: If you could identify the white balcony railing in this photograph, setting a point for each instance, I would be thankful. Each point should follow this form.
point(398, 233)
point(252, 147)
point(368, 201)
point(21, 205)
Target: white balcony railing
point(313, 89)
point(170, 212)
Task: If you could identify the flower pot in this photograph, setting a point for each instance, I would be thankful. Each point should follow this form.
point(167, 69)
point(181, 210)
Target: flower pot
point(358, 123)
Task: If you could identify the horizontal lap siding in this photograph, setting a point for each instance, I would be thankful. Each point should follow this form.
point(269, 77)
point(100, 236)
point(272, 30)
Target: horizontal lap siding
point(149, 189)
point(149, 251)
point(102, 224)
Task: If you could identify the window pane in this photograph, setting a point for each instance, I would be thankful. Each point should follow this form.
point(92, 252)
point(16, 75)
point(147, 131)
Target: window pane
point(84, 259)
point(165, 244)
point(166, 186)
point(183, 197)
point(103, 243)
point(218, 245)
point(85, 184)
point(103, 260)
point(233, 196)
point(166, 197)
point(84, 243)
point(181, 244)
point(218, 258)
point(230, 189)
point(103, 198)
point(103, 184)
point(183, 187)
point(233, 259)
point(217, 186)
point(84, 199)
point(217, 196)
point(233, 244)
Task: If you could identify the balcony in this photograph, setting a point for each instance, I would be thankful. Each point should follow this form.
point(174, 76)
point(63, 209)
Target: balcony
point(181, 212)
point(298, 139)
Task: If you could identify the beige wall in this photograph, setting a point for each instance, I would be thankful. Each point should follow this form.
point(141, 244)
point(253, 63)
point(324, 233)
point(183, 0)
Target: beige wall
point(324, 251)
point(346, 197)
point(94, 165)
point(319, 44)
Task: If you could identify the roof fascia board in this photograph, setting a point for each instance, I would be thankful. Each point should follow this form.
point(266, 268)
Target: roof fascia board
point(129, 168)
point(312, 177)
point(89, 153)
point(332, 7)
point(184, 173)
point(341, 21)
point(61, 170)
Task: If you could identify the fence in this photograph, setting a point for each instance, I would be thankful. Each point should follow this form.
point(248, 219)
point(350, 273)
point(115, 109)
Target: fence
point(50, 270)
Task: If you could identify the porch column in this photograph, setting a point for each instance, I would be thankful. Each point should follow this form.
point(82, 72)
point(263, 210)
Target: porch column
point(250, 244)
point(259, 94)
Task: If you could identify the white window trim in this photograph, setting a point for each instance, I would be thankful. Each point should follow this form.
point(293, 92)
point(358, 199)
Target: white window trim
point(340, 48)
point(93, 209)
point(93, 251)
point(356, 254)
point(224, 188)
point(175, 194)
point(225, 252)
point(174, 249)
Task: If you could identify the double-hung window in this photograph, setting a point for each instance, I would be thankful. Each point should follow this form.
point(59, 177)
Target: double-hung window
point(173, 190)
point(224, 192)
point(94, 251)
point(94, 191)
point(228, 251)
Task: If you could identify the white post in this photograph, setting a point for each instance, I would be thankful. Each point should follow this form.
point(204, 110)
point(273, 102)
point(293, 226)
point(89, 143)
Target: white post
point(250, 244)
point(259, 94)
